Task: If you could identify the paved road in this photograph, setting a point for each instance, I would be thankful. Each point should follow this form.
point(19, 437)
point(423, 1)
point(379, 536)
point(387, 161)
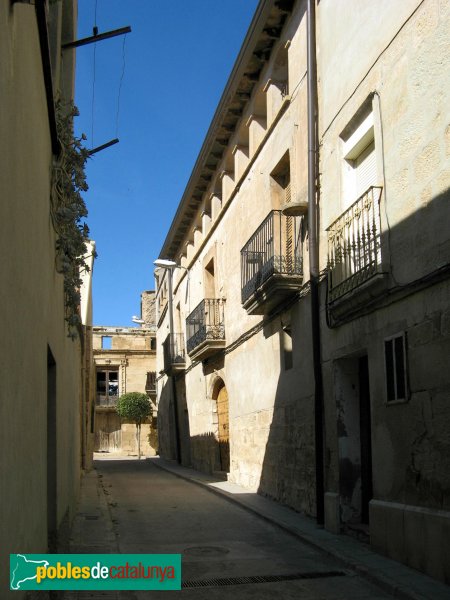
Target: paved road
point(153, 511)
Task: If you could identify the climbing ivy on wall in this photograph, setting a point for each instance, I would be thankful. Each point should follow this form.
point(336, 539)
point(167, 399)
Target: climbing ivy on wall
point(68, 211)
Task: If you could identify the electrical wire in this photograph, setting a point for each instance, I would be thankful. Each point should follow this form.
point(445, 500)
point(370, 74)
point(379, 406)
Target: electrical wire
point(95, 29)
point(93, 99)
point(120, 85)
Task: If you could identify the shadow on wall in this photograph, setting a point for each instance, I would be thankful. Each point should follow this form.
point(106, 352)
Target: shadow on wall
point(166, 424)
point(183, 421)
point(415, 254)
point(416, 258)
point(210, 451)
point(206, 453)
point(152, 436)
point(288, 469)
point(167, 432)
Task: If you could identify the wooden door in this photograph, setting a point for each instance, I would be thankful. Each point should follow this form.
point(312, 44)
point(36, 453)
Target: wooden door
point(366, 437)
point(224, 429)
point(108, 434)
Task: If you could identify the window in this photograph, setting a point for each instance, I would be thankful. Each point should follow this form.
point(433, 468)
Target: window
point(281, 183)
point(150, 384)
point(358, 151)
point(106, 342)
point(354, 239)
point(396, 367)
point(107, 387)
point(286, 341)
point(365, 169)
point(287, 348)
point(153, 343)
point(209, 280)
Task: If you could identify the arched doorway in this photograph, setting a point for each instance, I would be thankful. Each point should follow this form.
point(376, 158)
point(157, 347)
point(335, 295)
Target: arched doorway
point(224, 428)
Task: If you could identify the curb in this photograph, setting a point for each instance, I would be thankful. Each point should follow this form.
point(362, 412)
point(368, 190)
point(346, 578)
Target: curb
point(435, 589)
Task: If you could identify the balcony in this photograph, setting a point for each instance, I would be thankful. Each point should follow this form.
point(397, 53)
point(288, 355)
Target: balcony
point(271, 263)
point(355, 266)
point(106, 401)
point(150, 383)
point(205, 329)
point(174, 353)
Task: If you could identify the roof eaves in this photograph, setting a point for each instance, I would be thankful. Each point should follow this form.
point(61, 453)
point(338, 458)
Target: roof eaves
point(240, 84)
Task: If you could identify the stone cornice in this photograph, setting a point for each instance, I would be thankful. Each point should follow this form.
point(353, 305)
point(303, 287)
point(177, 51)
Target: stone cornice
point(125, 352)
point(286, 102)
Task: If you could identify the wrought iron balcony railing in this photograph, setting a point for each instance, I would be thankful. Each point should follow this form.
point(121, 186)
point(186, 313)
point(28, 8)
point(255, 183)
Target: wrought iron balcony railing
point(205, 326)
point(106, 401)
point(274, 252)
point(150, 384)
point(354, 244)
point(174, 353)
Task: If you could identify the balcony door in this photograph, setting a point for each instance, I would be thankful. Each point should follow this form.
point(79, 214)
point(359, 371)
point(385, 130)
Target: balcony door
point(352, 389)
point(107, 387)
point(356, 246)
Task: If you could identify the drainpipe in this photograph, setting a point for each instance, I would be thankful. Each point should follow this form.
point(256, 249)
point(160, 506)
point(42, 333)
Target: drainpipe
point(41, 16)
point(83, 412)
point(313, 197)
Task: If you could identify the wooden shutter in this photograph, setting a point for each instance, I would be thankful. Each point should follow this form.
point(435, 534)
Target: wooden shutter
point(365, 169)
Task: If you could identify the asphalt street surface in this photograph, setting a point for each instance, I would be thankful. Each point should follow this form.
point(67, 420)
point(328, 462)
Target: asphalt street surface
point(227, 552)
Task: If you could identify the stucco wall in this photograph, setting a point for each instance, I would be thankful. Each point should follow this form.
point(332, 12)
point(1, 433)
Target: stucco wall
point(32, 306)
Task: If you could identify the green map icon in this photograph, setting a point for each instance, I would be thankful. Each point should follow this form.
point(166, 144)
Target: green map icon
point(23, 570)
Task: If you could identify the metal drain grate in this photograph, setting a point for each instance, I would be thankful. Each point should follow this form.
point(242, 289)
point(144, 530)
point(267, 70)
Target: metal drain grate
point(259, 579)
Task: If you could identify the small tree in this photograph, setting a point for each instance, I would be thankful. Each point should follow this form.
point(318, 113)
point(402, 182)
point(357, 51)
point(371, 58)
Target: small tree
point(134, 407)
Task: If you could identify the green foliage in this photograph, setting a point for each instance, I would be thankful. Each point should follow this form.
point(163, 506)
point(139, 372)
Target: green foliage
point(134, 406)
point(69, 211)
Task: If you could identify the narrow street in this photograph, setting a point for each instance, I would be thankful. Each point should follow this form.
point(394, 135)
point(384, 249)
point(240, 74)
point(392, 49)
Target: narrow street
point(131, 506)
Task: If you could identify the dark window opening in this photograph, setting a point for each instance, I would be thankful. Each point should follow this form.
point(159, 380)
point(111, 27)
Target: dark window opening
point(107, 387)
point(209, 280)
point(287, 349)
point(396, 368)
point(281, 182)
point(150, 384)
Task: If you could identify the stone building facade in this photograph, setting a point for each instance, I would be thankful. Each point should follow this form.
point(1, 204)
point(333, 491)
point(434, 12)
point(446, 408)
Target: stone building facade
point(347, 421)
point(45, 396)
point(125, 361)
point(386, 339)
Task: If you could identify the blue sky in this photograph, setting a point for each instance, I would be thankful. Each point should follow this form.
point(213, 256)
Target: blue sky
point(177, 61)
